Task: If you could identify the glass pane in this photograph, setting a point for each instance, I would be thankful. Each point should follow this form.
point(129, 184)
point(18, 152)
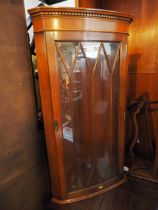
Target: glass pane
point(91, 50)
point(89, 100)
point(66, 113)
point(68, 51)
point(101, 114)
point(111, 50)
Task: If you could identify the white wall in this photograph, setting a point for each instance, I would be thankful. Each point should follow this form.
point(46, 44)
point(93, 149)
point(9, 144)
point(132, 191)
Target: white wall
point(30, 4)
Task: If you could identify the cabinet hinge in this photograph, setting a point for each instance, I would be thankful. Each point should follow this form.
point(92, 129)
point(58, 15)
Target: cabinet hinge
point(124, 115)
point(126, 49)
point(55, 125)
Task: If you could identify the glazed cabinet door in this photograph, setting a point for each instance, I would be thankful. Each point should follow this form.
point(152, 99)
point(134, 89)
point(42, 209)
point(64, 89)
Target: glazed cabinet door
point(87, 86)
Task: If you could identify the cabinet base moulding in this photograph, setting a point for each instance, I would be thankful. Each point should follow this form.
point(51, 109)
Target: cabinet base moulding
point(90, 195)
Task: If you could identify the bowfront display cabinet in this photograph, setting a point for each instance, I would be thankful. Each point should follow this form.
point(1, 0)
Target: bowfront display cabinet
point(82, 63)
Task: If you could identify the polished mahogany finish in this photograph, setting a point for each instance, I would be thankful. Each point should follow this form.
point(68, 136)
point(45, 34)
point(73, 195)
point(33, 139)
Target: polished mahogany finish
point(81, 55)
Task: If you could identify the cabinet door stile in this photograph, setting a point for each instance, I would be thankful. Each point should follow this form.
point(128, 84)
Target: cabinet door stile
point(123, 91)
point(53, 73)
point(45, 92)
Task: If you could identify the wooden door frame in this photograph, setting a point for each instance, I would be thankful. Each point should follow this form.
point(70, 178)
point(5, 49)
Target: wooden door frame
point(51, 37)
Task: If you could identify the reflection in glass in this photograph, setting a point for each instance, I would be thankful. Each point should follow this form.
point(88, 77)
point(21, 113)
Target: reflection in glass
point(111, 51)
point(89, 99)
point(68, 52)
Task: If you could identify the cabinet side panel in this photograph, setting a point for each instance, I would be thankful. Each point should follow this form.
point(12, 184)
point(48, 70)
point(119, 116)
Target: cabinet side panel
point(47, 111)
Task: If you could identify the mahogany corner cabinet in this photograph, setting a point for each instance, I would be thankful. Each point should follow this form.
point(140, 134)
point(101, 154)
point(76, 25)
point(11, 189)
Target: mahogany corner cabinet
point(82, 64)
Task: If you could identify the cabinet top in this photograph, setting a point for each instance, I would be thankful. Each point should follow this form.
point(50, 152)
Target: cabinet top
point(79, 12)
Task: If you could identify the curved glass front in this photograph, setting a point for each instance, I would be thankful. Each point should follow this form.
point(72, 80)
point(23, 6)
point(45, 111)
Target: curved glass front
point(89, 80)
